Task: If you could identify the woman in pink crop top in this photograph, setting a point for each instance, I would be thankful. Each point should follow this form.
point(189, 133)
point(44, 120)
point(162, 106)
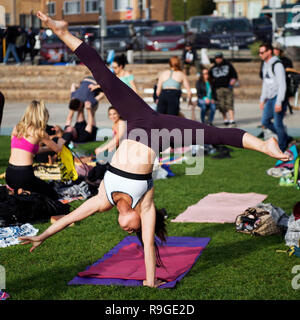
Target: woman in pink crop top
point(25, 143)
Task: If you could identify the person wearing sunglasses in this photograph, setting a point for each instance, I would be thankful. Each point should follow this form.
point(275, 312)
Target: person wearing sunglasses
point(272, 99)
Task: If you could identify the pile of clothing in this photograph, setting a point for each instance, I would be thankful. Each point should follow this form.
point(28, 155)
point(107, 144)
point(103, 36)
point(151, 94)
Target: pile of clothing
point(17, 209)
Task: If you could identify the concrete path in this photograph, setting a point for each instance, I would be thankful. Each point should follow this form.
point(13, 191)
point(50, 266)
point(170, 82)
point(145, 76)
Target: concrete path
point(248, 116)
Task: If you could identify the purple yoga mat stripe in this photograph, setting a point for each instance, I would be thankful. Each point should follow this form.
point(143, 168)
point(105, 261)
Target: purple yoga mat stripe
point(171, 241)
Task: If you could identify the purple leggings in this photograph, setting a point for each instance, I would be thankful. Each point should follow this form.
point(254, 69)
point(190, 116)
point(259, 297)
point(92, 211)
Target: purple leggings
point(156, 128)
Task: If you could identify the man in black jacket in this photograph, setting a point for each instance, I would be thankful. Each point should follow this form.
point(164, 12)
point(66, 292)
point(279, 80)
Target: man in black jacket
point(224, 77)
point(189, 58)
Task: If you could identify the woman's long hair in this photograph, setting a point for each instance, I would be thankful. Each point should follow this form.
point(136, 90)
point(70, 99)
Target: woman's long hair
point(161, 233)
point(175, 63)
point(202, 77)
point(34, 121)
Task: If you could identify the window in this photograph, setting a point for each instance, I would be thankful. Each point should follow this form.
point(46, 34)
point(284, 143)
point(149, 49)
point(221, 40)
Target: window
point(51, 8)
point(7, 18)
point(91, 6)
point(72, 7)
point(122, 5)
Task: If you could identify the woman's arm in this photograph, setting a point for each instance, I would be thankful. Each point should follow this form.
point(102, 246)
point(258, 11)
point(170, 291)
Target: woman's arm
point(113, 143)
point(159, 85)
point(97, 203)
point(69, 117)
point(186, 84)
point(50, 144)
point(148, 219)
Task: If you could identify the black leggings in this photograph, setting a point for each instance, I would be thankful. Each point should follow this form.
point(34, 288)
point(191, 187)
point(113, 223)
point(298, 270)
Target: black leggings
point(168, 102)
point(23, 177)
point(139, 115)
point(2, 100)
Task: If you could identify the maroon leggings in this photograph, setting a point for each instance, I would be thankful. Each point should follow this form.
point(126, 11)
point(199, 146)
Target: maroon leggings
point(157, 127)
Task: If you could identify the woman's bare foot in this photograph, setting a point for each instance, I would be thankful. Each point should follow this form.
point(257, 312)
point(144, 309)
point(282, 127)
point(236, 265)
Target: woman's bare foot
point(58, 27)
point(272, 149)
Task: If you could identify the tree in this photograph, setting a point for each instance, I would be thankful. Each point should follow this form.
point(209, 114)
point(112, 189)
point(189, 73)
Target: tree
point(193, 8)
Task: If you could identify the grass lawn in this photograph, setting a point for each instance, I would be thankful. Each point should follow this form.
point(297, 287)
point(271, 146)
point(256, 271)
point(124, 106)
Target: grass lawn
point(234, 266)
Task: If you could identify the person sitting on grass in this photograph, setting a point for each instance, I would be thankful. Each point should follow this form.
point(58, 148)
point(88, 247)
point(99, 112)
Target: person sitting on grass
point(26, 138)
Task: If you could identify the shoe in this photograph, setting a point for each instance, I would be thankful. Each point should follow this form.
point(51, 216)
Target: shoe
point(232, 124)
point(222, 155)
point(261, 135)
point(226, 123)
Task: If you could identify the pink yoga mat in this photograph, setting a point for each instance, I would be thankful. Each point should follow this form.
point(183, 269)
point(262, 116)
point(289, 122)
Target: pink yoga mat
point(220, 207)
point(129, 263)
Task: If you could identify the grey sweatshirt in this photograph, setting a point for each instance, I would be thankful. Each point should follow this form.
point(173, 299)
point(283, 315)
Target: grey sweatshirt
point(273, 85)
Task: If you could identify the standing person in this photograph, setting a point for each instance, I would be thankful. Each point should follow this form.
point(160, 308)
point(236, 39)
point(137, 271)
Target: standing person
point(2, 101)
point(11, 34)
point(21, 43)
point(278, 51)
point(206, 96)
point(118, 67)
point(272, 99)
point(25, 143)
point(30, 43)
point(189, 58)
point(224, 77)
point(128, 183)
point(169, 88)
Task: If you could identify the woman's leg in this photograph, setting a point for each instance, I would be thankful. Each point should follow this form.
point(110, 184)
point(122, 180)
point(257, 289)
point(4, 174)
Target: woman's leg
point(202, 105)
point(212, 112)
point(189, 130)
point(129, 105)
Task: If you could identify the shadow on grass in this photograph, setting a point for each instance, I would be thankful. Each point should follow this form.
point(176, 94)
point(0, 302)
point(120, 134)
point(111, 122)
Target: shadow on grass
point(219, 252)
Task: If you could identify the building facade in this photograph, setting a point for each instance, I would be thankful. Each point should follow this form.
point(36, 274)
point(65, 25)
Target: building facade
point(87, 11)
point(239, 8)
point(76, 12)
point(22, 12)
point(243, 8)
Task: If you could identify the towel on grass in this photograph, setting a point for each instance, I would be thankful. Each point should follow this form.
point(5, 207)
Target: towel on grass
point(124, 264)
point(9, 235)
point(220, 207)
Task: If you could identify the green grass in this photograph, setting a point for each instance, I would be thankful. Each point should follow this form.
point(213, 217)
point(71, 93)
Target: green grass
point(234, 266)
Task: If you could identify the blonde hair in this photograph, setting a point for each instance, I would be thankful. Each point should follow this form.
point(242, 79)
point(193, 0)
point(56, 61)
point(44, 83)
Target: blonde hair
point(34, 121)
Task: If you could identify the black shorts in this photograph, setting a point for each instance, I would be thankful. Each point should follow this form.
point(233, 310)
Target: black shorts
point(82, 134)
point(168, 102)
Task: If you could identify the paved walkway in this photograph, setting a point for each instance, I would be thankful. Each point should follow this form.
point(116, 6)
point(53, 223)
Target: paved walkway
point(248, 116)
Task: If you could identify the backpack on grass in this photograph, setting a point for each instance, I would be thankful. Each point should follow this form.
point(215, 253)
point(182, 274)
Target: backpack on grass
point(256, 222)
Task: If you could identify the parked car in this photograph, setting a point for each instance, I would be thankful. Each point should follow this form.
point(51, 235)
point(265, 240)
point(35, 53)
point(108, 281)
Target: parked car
point(140, 22)
point(119, 38)
point(167, 36)
point(53, 50)
point(141, 34)
point(262, 28)
point(236, 33)
point(291, 35)
point(199, 24)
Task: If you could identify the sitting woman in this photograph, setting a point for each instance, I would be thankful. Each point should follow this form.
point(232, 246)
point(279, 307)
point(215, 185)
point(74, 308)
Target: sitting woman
point(105, 152)
point(206, 96)
point(118, 67)
point(26, 138)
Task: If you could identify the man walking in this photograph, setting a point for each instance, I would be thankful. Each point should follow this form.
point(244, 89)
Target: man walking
point(272, 99)
point(11, 34)
point(224, 77)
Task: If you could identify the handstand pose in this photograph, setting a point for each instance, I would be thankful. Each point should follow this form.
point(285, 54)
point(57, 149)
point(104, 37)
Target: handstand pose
point(128, 182)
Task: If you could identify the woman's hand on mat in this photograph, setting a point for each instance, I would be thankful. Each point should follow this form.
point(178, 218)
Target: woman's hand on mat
point(156, 284)
point(36, 241)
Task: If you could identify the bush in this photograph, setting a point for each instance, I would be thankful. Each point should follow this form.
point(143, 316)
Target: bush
point(254, 49)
